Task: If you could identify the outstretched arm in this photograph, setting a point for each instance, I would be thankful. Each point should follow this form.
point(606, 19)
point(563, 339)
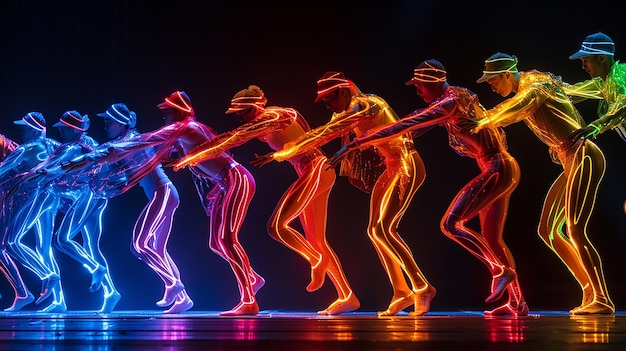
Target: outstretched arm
point(417, 123)
point(339, 125)
point(510, 111)
point(270, 122)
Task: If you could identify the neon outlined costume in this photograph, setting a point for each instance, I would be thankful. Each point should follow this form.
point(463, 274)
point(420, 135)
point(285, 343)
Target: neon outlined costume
point(540, 102)
point(392, 192)
point(21, 204)
point(306, 198)
point(152, 229)
point(225, 188)
point(607, 84)
point(486, 196)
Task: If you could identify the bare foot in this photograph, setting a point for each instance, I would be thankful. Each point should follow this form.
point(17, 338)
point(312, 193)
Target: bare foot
point(598, 306)
point(348, 304)
point(170, 294)
point(422, 300)
point(19, 302)
point(318, 275)
point(55, 307)
point(242, 309)
point(47, 284)
point(110, 301)
point(397, 305)
point(183, 303)
point(499, 284)
point(509, 310)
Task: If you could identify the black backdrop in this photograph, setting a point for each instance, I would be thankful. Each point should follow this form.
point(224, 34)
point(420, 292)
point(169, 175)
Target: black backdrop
point(82, 55)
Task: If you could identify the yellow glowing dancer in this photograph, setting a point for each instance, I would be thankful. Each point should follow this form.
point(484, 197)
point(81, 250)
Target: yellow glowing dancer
point(540, 102)
point(392, 192)
point(306, 198)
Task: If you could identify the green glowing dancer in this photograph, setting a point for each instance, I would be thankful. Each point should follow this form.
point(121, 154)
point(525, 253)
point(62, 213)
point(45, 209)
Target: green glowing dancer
point(607, 83)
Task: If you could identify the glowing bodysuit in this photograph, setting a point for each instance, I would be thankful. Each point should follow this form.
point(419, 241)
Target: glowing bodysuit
point(306, 198)
point(486, 195)
point(225, 188)
point(541, 103)
point(113, 177)
point(151, 234)
point(81, 208)
point(392, 192)
point(608, 84)
point(153, 227)
point(18, 205)
point(6, 146)
point(612, 95)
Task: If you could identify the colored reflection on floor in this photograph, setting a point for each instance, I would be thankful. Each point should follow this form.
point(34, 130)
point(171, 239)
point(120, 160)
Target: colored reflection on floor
point(288, 330)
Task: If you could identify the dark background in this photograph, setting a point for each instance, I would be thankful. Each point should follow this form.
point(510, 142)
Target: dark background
point(86, 55)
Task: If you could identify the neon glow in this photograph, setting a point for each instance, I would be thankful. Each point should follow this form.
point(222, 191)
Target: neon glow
point(486, 195)
point(391, 194)
point(225, 189)
point(541, 103)
point(306, 198)
point(20, 213)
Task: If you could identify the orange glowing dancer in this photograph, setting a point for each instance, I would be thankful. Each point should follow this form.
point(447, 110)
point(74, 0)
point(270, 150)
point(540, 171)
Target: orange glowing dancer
point(392, 192)
point(306, 198)
point(539, 101)
point(486, 196)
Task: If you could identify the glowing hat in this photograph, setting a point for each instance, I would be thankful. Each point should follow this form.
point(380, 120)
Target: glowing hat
point(73, 119)
point(177, 100)
point(496, 64)
point(429, 71)
point(330, 82)
point(34, 120)
point(595, 44)
point(120, 113)
point(247, 98)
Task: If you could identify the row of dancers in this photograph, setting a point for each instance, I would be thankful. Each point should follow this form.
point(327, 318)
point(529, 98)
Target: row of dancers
point(42, 178)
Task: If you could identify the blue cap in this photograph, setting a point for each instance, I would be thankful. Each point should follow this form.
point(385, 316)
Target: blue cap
point(121, 114)
point(34, 120)
point(73, 119)
point(595, 44)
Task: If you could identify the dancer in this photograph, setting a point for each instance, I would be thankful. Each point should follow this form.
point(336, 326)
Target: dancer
point(607, 84)
point(6, 146)
point(82, 209)
point(392, 192)
point(540, 102)
point(306, 198)
point(224, 186)
point(486, 196)
point(152, 229)
point(19, 202)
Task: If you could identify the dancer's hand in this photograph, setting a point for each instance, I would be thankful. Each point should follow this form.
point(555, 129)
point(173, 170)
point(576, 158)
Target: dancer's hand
point(339, 155)
point(262, 160)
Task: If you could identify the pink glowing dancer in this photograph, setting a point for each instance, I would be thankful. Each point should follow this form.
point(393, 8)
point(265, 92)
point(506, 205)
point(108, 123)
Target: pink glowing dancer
point(225, 188)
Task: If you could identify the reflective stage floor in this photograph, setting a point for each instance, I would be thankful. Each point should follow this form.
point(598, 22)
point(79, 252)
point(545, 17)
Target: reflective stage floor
point(303, 331)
